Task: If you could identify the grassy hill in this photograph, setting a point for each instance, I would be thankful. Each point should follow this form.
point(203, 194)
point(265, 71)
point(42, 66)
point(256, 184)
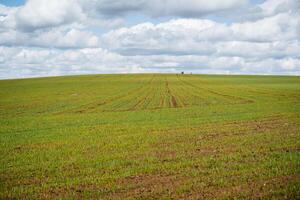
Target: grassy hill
point(150, 136)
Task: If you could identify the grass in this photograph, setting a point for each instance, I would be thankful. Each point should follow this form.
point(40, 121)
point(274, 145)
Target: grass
point(150, 136)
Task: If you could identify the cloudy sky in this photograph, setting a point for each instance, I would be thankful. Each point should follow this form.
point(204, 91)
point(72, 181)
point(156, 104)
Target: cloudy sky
point(62, 37)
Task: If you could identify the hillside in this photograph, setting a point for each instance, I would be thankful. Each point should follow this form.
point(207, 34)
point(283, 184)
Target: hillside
point(150, 136)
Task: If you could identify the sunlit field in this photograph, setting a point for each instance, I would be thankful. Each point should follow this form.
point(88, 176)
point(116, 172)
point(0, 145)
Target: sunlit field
point(150, 136)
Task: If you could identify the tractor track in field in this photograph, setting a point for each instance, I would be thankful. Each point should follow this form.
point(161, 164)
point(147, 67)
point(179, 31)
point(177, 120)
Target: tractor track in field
point(93, 105)
point(193, 94)
point(134, 95)
point(167, 99)
point(162, 97)
point(143, 100)
point(230, 97)
point(172, 103)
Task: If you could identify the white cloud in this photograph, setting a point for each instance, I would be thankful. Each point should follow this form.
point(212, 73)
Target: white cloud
point(268, 8)
point(65, 37)
point(57, 38)
point(40, 14)
point(274, 7)
point(44, 13)
point(273, 36)
point(182, 8)
point(72, 38)
point(283, 26)
point(290, 64)
point(29, 62)
point(7, 19)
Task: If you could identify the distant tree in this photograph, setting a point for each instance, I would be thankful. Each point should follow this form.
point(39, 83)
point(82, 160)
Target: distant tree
point(182, 72)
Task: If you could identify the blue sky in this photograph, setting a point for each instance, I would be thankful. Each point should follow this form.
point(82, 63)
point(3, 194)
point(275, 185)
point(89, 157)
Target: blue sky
point(12, 2)
point(22, 2)
point(62, 37)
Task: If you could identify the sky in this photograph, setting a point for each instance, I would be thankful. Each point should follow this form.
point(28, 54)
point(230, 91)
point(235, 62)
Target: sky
point(68, 37)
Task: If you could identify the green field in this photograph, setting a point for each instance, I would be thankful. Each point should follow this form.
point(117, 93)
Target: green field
point(150, 136)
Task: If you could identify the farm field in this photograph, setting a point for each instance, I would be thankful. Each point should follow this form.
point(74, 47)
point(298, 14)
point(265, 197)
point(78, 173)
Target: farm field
point(150, 136)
